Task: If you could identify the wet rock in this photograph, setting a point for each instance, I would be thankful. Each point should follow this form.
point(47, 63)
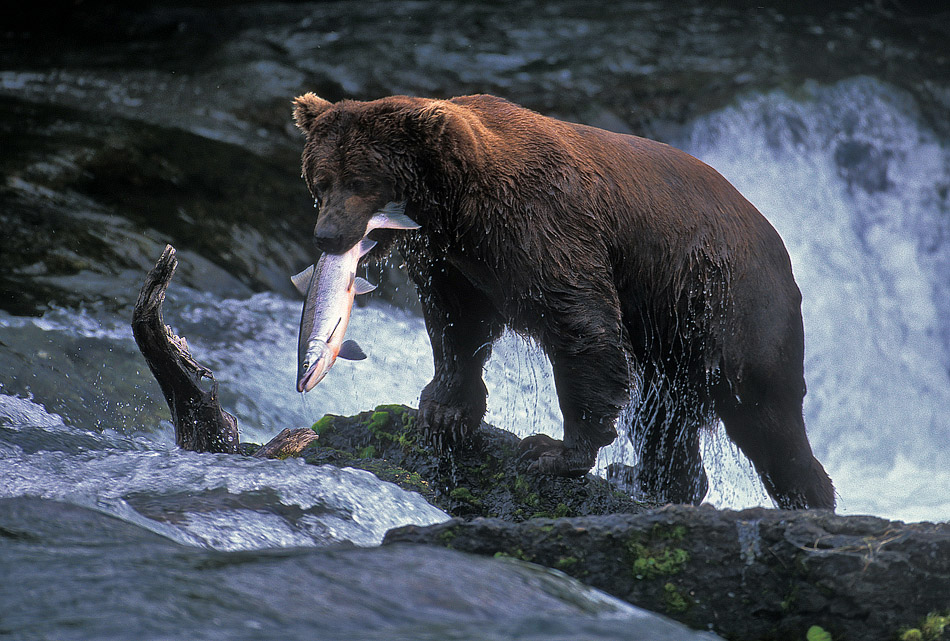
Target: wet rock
point(89, 200)
point(121, 577)
point(485, 478)
point(753, 574)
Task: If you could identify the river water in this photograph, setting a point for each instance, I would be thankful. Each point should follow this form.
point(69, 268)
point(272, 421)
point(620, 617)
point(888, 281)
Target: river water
point(853, 170)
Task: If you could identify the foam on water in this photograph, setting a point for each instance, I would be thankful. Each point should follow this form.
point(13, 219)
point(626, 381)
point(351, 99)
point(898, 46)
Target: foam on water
point(16, 412)
point(251, 345)
point(220, 501)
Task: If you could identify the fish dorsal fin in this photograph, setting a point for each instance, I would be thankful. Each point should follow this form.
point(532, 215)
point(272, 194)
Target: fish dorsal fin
point(350, 351)
point(302, 280)
point(363, 286)
point(365, 245)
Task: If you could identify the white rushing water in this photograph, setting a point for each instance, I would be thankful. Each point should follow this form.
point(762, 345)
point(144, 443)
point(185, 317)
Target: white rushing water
point(847, 174)
point(214, 500)
point(857, 187)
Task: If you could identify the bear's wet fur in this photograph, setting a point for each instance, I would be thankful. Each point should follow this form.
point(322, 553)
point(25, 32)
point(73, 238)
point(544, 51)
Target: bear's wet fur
point(641, 272)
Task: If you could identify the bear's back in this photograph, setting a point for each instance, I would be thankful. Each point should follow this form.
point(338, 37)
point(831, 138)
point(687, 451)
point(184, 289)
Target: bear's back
point(640, 188)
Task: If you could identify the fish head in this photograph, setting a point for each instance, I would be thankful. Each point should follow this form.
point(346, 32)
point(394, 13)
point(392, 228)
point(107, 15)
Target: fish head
point(317, 362)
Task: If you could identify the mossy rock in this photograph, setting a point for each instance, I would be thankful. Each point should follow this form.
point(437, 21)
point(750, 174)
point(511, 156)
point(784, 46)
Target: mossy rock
point(483, 478)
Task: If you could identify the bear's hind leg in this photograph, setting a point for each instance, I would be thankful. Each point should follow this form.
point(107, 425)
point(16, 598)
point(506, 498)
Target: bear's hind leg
point(770, 431)
point(665, 434)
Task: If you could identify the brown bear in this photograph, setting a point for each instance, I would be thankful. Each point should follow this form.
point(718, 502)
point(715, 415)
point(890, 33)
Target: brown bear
point(641, 272)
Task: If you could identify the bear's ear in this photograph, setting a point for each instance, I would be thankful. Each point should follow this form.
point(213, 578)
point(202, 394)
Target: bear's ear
point(307, 108)
point(453, 127)
point(433, 118)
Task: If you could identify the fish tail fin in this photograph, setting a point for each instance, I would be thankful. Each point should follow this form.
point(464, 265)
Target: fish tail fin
point(392, 216)
point(399, 221)
point(365, 245)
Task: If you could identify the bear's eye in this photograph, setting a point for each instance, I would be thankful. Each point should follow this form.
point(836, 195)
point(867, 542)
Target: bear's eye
point(319, 188)
point(358, 186)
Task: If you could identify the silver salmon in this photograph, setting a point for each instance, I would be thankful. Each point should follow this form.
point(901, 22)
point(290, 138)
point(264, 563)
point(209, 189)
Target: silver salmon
point(329, 288)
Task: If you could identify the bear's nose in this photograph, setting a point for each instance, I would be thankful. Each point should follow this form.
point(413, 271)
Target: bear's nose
point(330, 243)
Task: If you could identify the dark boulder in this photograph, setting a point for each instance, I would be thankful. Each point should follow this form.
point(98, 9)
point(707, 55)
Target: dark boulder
point(754, 574)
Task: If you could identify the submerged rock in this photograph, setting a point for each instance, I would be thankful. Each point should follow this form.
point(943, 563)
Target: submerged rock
point(123, 581)
point(753, 574)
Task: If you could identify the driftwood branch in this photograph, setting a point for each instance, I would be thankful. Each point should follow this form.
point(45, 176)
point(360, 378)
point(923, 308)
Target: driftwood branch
point(287, 443)
point(201, 425)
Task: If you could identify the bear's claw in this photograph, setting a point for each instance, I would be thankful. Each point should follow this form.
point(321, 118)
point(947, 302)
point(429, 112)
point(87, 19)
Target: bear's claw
point(546, 455)
point(443, 426)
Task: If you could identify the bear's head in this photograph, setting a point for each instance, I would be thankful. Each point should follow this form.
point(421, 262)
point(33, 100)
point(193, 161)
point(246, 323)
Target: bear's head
point(359, 156)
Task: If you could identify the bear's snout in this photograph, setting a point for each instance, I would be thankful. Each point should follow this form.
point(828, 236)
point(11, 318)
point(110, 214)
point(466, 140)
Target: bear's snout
point(330, 241)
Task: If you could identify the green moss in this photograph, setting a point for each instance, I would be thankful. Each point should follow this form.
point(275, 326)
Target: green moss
point(514, 554)
point(651, 556)
point(932, 628)
point(673, 600)
point(565, 563)
point(446, 537)
point(465, 495)
point(377, 422)
point(323, 424)
point(368, 452)
point(817, 633)
point(393, 423)
point(521, 485)
point(650, 564)
point(661, 532)
point(398, 410)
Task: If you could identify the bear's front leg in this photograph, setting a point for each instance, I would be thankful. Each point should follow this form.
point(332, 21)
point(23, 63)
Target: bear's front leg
point(462, 324)
point(591, 376)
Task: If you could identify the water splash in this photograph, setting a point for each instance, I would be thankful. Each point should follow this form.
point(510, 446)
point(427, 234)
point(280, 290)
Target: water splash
point(220, 501)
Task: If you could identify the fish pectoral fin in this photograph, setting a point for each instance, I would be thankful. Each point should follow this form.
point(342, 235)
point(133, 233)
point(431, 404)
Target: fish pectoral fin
point(301, 281)
point(363, 286)
point(350, 351)
point(365, 245)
